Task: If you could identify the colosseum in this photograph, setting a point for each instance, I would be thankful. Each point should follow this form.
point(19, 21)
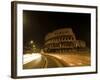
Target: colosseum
point(61, 41)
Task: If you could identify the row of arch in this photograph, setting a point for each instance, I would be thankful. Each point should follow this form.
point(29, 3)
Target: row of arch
point(61, 39)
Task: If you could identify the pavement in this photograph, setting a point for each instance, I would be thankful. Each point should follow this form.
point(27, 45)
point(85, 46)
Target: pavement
point(46, 61)
point(52, 60)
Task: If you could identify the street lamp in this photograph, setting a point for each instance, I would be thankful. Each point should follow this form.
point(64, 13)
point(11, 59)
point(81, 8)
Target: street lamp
point(31, 42)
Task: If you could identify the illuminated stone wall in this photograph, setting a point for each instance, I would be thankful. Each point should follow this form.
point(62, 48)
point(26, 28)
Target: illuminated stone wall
point(62, 40)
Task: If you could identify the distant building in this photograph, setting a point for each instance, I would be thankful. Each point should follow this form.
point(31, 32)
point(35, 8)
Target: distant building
point(62, 40)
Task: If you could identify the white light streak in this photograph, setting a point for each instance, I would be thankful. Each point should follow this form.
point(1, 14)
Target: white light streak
point(30, 57)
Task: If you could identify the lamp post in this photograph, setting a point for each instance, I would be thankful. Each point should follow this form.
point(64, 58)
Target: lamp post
point(34, 47)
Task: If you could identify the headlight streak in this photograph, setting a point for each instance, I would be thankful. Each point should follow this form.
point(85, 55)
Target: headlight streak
point(30, 57)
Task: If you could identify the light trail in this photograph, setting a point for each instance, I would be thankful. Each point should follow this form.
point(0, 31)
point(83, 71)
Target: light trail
point(30, 57)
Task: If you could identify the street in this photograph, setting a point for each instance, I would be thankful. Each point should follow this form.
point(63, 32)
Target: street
point(46, 60)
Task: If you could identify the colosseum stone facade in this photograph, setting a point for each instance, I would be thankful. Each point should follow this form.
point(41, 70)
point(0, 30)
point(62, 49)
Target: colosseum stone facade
point(62, 40)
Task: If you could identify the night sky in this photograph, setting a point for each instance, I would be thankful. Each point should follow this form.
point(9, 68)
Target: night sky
point(36, 24)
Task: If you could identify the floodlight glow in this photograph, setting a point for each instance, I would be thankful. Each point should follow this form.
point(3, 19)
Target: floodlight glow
point(30, 57)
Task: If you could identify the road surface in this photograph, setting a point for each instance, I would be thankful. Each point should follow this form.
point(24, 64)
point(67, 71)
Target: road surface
point(46, 61)
point(59, 60)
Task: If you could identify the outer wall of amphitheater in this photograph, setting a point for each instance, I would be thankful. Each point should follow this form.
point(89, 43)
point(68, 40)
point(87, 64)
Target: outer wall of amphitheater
point(62, 40)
